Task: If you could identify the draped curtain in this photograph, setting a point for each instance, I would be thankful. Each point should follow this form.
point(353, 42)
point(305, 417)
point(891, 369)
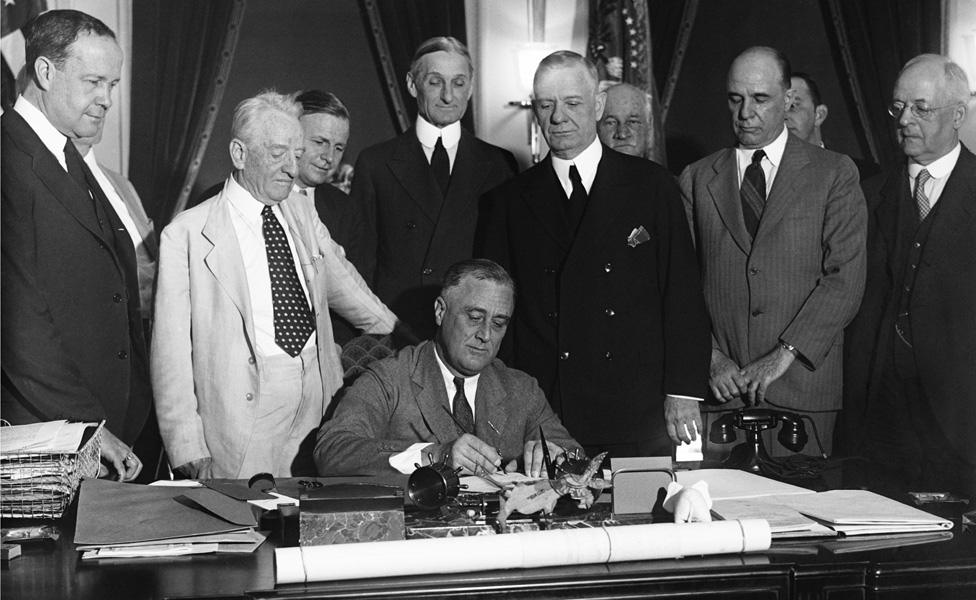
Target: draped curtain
point(397, 27)
point(182, 53)
point(873, 39)
point(642, 43)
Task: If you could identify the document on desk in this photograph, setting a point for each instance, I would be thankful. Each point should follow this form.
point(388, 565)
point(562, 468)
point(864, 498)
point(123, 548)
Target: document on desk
point(782, 519)
point(724, 484)
point(860, 512)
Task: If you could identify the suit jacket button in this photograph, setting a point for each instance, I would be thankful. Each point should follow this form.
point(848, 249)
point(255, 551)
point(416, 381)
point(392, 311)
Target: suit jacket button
point(411, 225)
point(122, 355)
point(564, 356)
point(753, 271)
point(608, 267)
point(552, 315)
point(117, 298)
point(428, 271)
point(757, 312)
point(249, 396)
point(250, 360)
point(608, 356)
point(549, 271)
point(609, 312)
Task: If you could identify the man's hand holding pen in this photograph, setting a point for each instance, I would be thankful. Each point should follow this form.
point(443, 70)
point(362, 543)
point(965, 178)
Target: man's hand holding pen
point(471, 454)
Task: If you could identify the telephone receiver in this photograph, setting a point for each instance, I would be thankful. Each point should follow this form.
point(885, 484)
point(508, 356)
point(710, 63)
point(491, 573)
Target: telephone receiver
point(751, 454)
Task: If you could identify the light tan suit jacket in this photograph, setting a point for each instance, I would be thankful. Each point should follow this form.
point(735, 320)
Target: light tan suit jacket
point(205, 369)
point(800, 280)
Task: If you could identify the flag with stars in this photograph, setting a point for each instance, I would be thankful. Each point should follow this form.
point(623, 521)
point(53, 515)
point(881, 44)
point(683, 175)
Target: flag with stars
point(15, 14)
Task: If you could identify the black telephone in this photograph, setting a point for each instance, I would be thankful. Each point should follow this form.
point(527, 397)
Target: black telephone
point(751, 455)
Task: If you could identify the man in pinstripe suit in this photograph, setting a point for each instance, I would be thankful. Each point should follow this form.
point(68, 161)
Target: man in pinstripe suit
point(779, 226)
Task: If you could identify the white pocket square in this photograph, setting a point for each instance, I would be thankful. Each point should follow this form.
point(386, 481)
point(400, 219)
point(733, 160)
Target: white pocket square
point(638, 236)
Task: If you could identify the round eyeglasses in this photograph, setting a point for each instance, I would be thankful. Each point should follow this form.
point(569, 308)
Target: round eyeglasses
point(919, 111)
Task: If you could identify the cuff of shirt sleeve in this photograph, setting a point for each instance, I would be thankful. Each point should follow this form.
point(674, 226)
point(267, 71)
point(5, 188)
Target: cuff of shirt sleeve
point(406, 461)
point(680, 397)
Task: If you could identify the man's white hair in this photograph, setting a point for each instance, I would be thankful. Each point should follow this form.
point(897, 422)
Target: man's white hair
point(248, 114)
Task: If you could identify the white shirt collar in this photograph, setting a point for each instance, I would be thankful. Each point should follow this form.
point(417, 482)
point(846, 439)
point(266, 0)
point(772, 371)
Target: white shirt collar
point(586, 163)
point(938, 168)
point(470, 383)
point(774, 150)
point(53, 139)
point(428, 133)
point(247, 205)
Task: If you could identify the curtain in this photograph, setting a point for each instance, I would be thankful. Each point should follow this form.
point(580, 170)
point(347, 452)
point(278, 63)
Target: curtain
point(182, 53)
point(642, 43)
point(873, 39)
point(397, 27)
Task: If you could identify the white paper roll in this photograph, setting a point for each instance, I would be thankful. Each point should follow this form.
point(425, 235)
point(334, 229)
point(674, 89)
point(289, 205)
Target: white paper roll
point(518, 550)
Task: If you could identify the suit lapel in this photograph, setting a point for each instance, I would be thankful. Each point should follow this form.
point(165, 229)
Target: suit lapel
point(544, 196)
point(225, 261)
point(782, 193)
point(411, 169)
point(431, 398)
point(607, 196)
point(890, 214)
point(302, 247)
point(491, 419)
point(724, 190)
point(955, 209)
point(470, 170)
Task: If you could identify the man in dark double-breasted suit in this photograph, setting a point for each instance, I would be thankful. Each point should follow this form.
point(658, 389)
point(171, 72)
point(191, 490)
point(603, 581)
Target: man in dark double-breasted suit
point(910, 380)
point(420, 190)
point(611, 318)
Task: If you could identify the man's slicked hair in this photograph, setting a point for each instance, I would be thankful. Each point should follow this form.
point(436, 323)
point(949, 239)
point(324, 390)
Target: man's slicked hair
point(562, 59)
point(248, 113)
point(812, 86)
point(443, 43)
point(781, 61)
point(481, 269)
point(318, 102)
point(50, 34)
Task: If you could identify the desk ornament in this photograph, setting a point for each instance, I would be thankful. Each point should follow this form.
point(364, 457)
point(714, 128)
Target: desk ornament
point(574, 477)
point(433, 486)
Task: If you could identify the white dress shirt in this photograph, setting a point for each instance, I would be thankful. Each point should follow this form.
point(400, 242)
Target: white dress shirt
point(428, 133)
point(770, 163)
point(245, 215)
point(52, 139)
point(405, 461)
point(586, 163)
point(939, 169)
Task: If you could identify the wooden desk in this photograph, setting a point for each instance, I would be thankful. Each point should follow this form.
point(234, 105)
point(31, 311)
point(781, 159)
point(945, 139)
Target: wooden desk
point(54, 571)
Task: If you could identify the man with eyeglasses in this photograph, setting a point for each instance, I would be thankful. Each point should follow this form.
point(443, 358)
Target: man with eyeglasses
point(911, 384)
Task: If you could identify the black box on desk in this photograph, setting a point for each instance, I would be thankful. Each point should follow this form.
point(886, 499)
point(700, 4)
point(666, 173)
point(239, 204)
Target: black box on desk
point(349, 512)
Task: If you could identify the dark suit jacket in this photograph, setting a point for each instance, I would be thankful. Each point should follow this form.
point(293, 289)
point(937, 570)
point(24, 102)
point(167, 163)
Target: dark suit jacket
point(346, 222)
point(800, 280)
point(607, 329)
point(68, 348)
point(942, 306)
point(416, 236)
point(401, 400)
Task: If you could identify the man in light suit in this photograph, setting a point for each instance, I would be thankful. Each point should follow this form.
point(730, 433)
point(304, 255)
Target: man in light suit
point(243, 361)
point(72, 344)
point(612, 320)
point(448, 399)
point(910, 402)
point(779, 226)
point(420, 190)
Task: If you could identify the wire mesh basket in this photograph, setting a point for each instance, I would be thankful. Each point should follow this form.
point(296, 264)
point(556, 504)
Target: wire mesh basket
point(39, 485)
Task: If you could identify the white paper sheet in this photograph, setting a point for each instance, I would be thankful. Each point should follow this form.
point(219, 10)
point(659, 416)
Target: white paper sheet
point(518, 550)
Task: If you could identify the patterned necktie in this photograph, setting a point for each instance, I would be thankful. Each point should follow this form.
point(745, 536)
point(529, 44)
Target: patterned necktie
point(577, 199)
point(292, 318)
point(462, 410)
point(752, 192)
point(83, 176)
point(921, 200)
point(440, 166)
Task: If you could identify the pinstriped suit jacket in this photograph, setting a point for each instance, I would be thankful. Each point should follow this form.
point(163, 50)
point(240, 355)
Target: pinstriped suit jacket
point(800, 280)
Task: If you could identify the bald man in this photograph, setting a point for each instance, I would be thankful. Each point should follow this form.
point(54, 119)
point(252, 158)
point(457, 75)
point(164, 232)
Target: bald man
point(780, 228)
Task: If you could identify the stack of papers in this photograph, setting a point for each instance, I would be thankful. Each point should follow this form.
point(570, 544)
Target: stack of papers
point(122, 520)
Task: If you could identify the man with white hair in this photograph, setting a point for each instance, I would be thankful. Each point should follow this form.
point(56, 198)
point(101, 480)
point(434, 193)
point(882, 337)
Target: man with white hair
point(611, 319)
point(911, 387)
point(626, 123)
point(243, 361)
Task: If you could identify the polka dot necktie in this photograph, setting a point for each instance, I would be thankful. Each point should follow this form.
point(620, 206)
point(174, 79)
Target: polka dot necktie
point(292, 318)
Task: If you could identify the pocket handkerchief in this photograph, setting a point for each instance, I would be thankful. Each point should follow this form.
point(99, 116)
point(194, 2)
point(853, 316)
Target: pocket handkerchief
point(638, 236)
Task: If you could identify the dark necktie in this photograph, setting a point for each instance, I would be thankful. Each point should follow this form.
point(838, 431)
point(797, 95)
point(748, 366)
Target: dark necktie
point(577, 200)
point(921, 200)
point(440, 166)
point(83, 176)
point(292, 318)
point(753, 193)
point(462, 410)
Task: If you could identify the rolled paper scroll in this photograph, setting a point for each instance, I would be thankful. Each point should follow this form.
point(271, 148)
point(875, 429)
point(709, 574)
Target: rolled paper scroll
point(518, 550)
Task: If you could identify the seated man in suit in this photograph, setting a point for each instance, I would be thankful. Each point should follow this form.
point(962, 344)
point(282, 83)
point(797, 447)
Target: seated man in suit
point(447, 399)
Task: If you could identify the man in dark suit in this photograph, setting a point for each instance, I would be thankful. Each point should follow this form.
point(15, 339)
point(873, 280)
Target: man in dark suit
point(911, 380)
point(421, 189)
point(325, 124)
point(611, 320)
point(779, 225)
point(72, 339)
point(448, 399)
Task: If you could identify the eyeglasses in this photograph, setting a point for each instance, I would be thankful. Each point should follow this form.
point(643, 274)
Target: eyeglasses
point(919, 111)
